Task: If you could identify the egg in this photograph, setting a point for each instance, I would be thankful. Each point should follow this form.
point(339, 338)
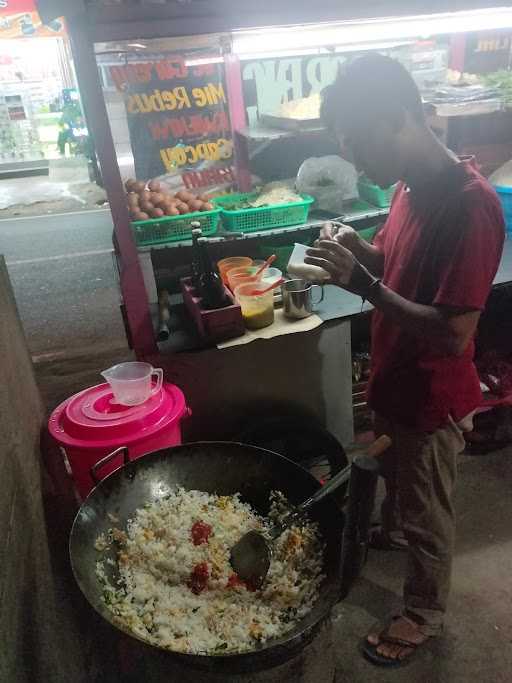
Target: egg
point(195, 205)
point(145, 196)
point(146, 206)
point(182, 207)
point(133, 199)
point(139, 216)
point(207, 206)
point(156, 213)
point(155, 186)
point(129, 184)
point(138, 186)
point(184, 195)
point(157, 198)
point(171, 210)
point(204, 197)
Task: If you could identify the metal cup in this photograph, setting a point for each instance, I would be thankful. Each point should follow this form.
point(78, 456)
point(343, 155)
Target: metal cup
point(298, 298)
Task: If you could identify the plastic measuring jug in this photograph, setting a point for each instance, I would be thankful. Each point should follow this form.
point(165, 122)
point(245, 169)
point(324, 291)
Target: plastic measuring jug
point(131, 382)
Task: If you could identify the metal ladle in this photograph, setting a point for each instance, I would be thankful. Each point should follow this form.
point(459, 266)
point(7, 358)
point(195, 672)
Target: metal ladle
point(251, 556)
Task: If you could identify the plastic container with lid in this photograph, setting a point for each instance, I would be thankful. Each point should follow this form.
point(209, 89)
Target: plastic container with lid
point(90, 425)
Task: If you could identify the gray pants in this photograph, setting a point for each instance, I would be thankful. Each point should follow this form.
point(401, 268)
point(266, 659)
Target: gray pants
point(420, 472)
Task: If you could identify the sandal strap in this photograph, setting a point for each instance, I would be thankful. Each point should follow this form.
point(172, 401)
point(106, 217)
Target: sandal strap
point(385, 636)
point(392, 640)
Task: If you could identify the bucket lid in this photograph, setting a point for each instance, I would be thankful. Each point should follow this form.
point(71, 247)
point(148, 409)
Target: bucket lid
point(91, 418)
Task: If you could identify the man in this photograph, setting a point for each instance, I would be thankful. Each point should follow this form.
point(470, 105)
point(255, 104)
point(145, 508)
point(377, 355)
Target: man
point(428, 275)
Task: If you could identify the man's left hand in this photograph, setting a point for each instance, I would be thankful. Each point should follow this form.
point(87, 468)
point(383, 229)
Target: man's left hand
point(336, 259)
point(343, 267)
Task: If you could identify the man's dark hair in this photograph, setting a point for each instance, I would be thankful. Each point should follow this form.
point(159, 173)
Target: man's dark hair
point(371, 87)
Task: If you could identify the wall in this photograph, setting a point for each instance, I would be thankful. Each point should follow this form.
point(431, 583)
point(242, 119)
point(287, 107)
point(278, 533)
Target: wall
point(39, 639)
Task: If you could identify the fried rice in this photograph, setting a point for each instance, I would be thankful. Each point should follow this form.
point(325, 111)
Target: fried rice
point(175, 587)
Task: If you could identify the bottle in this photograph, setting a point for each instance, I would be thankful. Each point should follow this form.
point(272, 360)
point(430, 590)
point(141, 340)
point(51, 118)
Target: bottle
point(196, 254)
point(210, 284)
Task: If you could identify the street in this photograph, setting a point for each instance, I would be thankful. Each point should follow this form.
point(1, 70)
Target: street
point(63, 278)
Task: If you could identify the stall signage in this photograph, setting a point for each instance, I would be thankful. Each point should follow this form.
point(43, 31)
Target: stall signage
point(19, 19)
point(17, 6)
point(270, 82)
point(488, 52)
point(178, 119)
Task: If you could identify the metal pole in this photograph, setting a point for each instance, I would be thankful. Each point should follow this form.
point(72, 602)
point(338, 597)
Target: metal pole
point(131, 280)
point(238, 119)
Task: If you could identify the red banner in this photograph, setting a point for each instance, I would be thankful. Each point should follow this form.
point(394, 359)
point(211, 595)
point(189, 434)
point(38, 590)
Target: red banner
point(17, 6)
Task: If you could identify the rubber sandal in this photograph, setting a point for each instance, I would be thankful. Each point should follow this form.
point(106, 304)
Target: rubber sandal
point(370, 651)
point(371, 654)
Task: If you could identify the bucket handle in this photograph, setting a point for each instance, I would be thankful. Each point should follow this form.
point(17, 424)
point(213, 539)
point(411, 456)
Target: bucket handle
point(98, 465)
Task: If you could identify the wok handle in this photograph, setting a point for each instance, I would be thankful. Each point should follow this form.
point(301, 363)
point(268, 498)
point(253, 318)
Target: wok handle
point(98, 465)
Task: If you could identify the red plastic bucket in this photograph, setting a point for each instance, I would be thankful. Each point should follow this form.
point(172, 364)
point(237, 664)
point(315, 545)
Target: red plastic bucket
point(89, 425)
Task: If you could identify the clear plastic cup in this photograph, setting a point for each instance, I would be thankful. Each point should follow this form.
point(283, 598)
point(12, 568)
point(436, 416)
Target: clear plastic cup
point(240, 276)
point(270, 275)
point(131, 383)
point(257, 309)
point(226, 264)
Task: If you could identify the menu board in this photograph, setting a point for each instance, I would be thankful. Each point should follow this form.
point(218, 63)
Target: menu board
point(177, 118)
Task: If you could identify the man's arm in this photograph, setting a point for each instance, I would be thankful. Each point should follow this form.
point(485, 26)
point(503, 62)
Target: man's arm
point(449, 330)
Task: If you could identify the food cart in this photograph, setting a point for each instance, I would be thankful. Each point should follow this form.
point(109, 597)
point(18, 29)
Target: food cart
point(303, 367)
point(306, 367)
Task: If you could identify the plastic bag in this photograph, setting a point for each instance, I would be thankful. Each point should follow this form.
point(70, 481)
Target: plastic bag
point(330, 180)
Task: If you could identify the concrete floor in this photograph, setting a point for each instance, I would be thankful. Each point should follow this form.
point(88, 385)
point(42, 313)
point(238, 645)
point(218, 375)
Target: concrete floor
point(477, 644)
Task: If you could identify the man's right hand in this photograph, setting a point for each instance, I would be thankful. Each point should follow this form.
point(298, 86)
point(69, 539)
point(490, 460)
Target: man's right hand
point(338, 232)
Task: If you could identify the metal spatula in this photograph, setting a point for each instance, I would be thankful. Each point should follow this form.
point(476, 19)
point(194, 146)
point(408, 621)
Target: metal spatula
point(250, 557)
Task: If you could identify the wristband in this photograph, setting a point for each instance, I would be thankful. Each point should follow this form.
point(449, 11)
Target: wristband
point(362, 282)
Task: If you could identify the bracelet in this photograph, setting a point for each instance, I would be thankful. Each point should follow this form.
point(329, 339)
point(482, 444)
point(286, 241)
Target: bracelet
point(372, 289)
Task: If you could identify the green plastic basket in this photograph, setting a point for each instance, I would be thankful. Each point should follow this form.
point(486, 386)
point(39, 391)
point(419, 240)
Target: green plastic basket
point(174, 228)
point(374, 194)
point(263, 217)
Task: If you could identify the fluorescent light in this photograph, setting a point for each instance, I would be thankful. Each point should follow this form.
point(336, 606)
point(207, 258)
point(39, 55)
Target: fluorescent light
point(203, 60)
point(375, 30)
point(276, 54)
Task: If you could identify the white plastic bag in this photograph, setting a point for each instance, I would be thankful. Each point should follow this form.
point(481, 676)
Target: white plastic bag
point(297, 267)
point(330, 180)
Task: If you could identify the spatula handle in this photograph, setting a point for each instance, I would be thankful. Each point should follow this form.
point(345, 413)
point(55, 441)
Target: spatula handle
point(327, 489)
point(378, 447)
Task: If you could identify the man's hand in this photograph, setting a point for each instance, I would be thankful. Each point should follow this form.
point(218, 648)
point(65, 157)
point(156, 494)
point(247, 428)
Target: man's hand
point(343, 267)
point(337, 232)
point(334, 258)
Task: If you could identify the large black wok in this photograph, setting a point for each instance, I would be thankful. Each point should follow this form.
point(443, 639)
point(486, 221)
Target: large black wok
point(216, 467)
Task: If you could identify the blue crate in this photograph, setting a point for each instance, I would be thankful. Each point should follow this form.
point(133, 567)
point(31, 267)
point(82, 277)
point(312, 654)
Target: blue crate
point(505, 195)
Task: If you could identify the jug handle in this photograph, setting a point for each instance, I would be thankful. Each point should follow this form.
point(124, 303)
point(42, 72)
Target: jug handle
point(159, 380)
point(98, 465)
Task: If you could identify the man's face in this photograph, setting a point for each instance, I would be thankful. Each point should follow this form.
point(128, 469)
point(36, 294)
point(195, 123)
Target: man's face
point(375, 151)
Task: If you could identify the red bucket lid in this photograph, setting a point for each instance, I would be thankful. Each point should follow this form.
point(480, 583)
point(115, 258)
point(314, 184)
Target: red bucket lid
point(90, 419)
